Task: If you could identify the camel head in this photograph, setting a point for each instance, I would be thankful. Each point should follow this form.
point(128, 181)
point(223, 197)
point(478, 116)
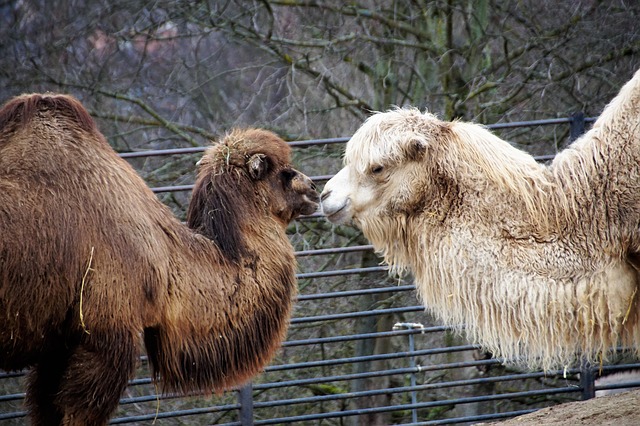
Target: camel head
point(385, 173)
point(402, 164)
point(249, 171)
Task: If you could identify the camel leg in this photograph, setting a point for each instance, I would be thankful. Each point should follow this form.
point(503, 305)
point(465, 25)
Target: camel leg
point(96, 375)
point(43, 382)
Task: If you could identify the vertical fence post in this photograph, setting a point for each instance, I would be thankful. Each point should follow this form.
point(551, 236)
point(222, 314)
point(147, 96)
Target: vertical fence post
point(412, 364)
point(587, 381)
point(414, 396)
point(245, 398)
point(577, 126)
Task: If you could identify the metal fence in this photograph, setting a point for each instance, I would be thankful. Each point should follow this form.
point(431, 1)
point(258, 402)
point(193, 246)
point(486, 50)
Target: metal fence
point(361, 349)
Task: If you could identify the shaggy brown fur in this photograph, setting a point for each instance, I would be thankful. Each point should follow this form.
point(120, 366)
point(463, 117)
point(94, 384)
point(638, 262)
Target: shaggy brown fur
point(539, 263)
point(90, 261)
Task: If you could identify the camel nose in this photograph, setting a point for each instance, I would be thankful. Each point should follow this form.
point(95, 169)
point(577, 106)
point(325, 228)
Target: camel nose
point(304, 184)
point(310, 182)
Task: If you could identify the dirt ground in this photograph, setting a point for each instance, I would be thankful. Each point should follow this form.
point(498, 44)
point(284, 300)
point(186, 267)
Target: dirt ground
point(621, 409)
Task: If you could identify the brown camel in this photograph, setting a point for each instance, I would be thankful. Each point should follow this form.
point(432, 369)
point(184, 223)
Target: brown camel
point(92, 263)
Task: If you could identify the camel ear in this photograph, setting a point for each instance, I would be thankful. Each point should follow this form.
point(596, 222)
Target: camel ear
point(416, 149)
point(257, 165)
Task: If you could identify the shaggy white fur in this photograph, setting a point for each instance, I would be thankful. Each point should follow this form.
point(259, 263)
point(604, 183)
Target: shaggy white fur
point(539, 264)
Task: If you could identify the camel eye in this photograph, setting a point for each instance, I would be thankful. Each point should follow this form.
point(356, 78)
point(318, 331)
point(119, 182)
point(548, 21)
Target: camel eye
point(376, 170)
point(288, 175)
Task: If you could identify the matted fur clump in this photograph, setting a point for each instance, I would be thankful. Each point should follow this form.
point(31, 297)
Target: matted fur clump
point(538, 263)
point(92, 263)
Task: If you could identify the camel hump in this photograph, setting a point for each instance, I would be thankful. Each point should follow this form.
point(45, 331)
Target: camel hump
point(19, 111)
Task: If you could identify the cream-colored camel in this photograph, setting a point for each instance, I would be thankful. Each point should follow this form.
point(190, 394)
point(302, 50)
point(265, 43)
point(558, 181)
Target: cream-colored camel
point(538, 263)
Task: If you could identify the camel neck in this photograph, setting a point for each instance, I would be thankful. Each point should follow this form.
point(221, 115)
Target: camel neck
point(224, 319)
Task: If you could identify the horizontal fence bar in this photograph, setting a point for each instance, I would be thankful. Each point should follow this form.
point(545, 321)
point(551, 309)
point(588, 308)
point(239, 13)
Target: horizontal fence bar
point(162, 152)
point(379, 373)
point(615, 368)
point(11, 374)
point(368, 358)
point(336, 250)
point(340, 272)
point(175, 413)
point(351, 337)
point(13, 416)
point(360, 314)
point(531, 123)
point(351, 293)
point(12, 397)
point(621, 385)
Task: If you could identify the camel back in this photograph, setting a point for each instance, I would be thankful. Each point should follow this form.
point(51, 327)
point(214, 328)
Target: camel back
point(19, 111)
point(68, 204)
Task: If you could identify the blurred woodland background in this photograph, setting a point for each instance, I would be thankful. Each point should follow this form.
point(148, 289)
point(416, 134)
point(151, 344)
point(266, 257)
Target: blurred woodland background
point(171, 74)
point(174, 73)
